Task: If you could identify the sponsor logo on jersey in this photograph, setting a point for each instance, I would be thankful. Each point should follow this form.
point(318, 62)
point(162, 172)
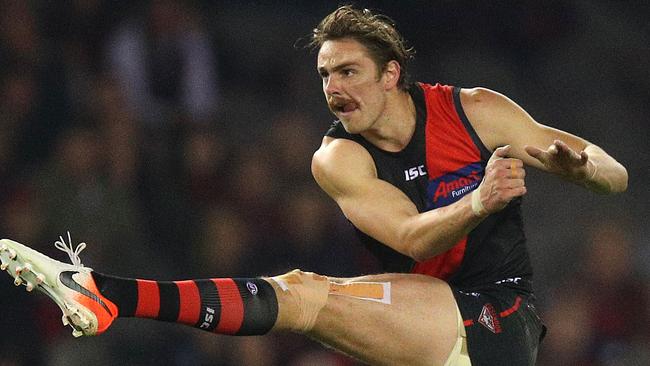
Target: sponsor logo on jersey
point(452, 186)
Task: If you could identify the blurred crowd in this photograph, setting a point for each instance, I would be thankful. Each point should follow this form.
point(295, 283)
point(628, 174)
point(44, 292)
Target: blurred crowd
point(175, 139)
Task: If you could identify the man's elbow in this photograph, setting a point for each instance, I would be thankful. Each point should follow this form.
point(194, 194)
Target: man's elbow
point(419, 255)
point(621, 185)
point(615, 181)
point(417, 248)
point(408, 241)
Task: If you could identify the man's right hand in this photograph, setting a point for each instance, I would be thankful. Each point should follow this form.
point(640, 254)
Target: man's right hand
point(503, 180)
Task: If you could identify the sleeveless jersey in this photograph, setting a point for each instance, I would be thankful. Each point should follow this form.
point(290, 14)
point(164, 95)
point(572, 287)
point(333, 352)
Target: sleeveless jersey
point(444, 161)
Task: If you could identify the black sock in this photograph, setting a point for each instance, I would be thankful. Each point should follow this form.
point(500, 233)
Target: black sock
point(236, 306)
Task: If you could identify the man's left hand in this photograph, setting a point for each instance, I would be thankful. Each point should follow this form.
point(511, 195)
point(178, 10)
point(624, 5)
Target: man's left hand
point(560, 159)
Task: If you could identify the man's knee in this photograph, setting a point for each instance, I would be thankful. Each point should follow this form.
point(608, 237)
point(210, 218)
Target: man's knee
point(307, 292)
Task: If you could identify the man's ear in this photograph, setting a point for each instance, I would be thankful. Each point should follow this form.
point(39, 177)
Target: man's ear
point(392, 73)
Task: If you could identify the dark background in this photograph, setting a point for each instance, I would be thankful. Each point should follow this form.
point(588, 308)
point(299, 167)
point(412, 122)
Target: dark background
point(175, 139)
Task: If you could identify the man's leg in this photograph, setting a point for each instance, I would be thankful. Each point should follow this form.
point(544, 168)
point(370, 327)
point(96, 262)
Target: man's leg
point(414, 323)
point(234, 306)
point(90, 301)
point(389, 319)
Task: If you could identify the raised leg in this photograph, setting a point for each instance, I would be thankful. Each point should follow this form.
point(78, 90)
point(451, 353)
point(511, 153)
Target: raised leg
point(416, 326)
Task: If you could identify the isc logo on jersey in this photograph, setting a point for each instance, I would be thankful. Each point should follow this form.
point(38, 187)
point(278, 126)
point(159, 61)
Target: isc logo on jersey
point(415, 172)
point(452, 186)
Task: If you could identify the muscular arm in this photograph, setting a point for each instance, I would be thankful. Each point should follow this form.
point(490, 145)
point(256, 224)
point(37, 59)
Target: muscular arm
point(499, 121)
point(345, 170)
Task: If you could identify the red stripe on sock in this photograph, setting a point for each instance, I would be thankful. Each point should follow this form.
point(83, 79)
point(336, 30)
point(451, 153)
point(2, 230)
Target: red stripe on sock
point(148, 299)
point(190, 302)
point(232, 306)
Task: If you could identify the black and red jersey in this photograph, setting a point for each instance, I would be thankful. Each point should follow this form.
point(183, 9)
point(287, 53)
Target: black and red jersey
point(444, 161)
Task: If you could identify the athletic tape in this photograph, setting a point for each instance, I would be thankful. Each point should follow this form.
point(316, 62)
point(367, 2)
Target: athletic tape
point(309, 293)
point(371, 291)
point(283, 285)
point(477, 205)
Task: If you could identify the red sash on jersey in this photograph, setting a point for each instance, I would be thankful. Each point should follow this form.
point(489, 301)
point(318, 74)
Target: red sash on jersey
point(454, 169)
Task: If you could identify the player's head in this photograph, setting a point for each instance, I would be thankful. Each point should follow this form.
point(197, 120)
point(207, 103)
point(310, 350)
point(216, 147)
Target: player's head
point(375, 32)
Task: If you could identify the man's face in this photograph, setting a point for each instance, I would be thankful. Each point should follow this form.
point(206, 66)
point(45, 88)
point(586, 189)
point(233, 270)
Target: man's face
point(352, 84)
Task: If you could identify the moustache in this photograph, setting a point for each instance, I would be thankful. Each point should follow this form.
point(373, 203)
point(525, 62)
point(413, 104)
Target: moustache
point(338, 104)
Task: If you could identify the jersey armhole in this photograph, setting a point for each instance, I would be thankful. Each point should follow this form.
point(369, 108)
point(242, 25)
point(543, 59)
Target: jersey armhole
point(485, 152)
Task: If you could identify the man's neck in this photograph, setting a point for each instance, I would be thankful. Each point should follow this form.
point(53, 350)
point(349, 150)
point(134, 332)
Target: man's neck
point(395, 128)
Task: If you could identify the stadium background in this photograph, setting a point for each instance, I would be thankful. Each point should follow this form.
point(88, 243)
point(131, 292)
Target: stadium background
point(175, 139)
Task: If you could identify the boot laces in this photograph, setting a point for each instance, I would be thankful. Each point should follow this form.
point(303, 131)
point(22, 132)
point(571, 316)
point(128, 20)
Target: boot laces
point(70, 250)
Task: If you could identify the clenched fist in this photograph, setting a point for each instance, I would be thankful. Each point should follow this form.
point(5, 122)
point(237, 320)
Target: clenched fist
point(503, 181)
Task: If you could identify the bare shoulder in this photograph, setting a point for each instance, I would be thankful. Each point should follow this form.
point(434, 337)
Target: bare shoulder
point(471, 96)
point(339, 162)
point(482, 101)
point(493, 115)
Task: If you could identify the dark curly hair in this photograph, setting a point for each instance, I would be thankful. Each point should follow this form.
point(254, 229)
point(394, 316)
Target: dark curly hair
point(375, 31)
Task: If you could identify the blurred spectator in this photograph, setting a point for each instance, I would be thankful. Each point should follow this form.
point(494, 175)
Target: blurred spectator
point(619, 299)
point(21, 215)
point(254, 188)
point(17, 103)
point(77, 196)
point(294, 139)
point(307, 231)
point(165, 62)
point(595, 318)
point(120, 134)
point(224, 245)
point(33, 103)
point(569, 328)
point(19, 35)
point(204, 172)
point(80, 28)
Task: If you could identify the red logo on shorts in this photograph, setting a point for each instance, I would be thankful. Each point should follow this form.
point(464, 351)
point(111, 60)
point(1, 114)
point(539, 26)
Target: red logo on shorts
point(489, 319)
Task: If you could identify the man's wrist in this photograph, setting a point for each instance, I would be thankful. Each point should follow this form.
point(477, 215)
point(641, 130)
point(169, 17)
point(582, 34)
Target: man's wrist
point(477, 206)
point(594, 170)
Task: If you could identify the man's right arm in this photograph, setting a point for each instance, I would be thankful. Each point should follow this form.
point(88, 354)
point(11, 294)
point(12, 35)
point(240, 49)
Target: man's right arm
point(346, 172)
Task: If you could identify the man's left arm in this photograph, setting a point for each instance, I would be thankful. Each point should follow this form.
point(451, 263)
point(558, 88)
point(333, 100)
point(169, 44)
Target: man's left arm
point(499, 121)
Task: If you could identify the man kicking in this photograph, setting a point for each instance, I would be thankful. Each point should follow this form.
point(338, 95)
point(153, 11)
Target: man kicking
point(430, 175)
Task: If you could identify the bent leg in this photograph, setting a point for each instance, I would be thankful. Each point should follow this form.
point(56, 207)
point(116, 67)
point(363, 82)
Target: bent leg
point(417, 327)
